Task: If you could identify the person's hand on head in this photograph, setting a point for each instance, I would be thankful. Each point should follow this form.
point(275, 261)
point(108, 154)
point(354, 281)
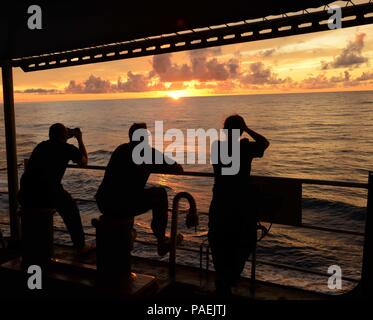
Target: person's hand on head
point(243, 125)
point(78, 134)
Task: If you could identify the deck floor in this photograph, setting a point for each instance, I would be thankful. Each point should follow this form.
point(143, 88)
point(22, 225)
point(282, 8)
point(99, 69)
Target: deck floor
point(195, 282)
point(190, 282)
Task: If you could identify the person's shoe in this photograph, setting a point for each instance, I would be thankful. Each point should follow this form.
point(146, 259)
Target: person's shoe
point(164, 246)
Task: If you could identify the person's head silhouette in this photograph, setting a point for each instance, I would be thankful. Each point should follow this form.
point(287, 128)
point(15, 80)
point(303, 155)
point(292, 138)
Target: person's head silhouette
point(235, 122)
point(134, 128)
point(58, 132)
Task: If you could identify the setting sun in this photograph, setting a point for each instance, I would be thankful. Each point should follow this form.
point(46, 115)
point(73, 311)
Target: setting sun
point(176, 95)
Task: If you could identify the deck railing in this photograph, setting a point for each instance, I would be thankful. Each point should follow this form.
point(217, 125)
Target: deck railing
point(345, 184)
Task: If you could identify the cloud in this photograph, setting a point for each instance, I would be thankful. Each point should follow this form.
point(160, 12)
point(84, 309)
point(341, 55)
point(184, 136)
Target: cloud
point(134, 83)
point(74, 87)
point(204, 69)
point(365, 76)
point(203, 66)
point(92, 85)
point(218, 87)
point(169, 72)
point(316, 82)
point(267, 53)
point(259, 74)
point(341, 78)
point(321, 81)
point(39, 91)
point(351, 55)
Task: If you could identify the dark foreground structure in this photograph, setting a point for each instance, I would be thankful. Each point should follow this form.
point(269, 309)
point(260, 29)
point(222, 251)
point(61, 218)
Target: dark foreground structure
point(104, 31)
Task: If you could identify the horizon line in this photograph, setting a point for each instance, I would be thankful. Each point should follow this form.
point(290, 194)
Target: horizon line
point(193, 96)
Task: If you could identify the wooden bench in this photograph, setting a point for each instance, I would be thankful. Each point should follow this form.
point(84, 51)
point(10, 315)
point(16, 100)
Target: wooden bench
point(37, 235)
point(113, 245)
point(114, 242)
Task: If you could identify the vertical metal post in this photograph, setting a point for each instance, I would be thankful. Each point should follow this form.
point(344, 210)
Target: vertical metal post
point(173, 238)
point(367, 269)
point(11, 149)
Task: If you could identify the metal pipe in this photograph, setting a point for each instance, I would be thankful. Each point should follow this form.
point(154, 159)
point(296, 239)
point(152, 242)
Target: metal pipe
point(303, 225)
point(345, 184)
point(367, 271)
point(332, 230)
point(11, 149)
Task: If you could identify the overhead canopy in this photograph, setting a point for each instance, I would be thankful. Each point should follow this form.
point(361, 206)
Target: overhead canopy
point(82, 32)
point(68, 25)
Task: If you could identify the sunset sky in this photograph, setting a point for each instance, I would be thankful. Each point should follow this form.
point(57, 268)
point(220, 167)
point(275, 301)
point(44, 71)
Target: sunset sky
point(337, 60)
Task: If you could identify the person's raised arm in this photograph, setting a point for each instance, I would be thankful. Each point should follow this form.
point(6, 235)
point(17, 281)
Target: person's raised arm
point(83, 150)
point(258, 138)
point(168, 165)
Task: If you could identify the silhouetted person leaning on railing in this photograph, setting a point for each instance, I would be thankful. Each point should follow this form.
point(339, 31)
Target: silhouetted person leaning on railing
point(232, 221)
point(123, 192)
point(41, 185)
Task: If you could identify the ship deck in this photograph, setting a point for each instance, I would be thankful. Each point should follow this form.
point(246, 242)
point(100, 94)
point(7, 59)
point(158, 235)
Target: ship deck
point(75, 277)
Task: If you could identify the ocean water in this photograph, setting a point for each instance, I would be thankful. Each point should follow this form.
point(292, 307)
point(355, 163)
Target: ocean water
point(317, 135)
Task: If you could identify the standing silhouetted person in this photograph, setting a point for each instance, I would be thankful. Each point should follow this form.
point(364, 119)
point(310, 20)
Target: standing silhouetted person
point(122, 193)
point(41, 185)
point(232, 222)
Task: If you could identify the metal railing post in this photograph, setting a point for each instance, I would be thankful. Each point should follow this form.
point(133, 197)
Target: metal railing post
point(11, 149)
point(173, 239)
point(367, 268)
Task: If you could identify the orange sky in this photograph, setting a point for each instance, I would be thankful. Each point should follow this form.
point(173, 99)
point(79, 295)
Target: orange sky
point(337, 60)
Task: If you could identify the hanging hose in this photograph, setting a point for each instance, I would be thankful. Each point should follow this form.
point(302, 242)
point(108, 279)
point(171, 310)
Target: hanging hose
point(191, 220)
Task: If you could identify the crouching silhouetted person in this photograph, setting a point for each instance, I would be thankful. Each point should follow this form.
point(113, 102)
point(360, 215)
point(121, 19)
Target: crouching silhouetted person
point(123, 192)
point(41, 185)
point(232, 222)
